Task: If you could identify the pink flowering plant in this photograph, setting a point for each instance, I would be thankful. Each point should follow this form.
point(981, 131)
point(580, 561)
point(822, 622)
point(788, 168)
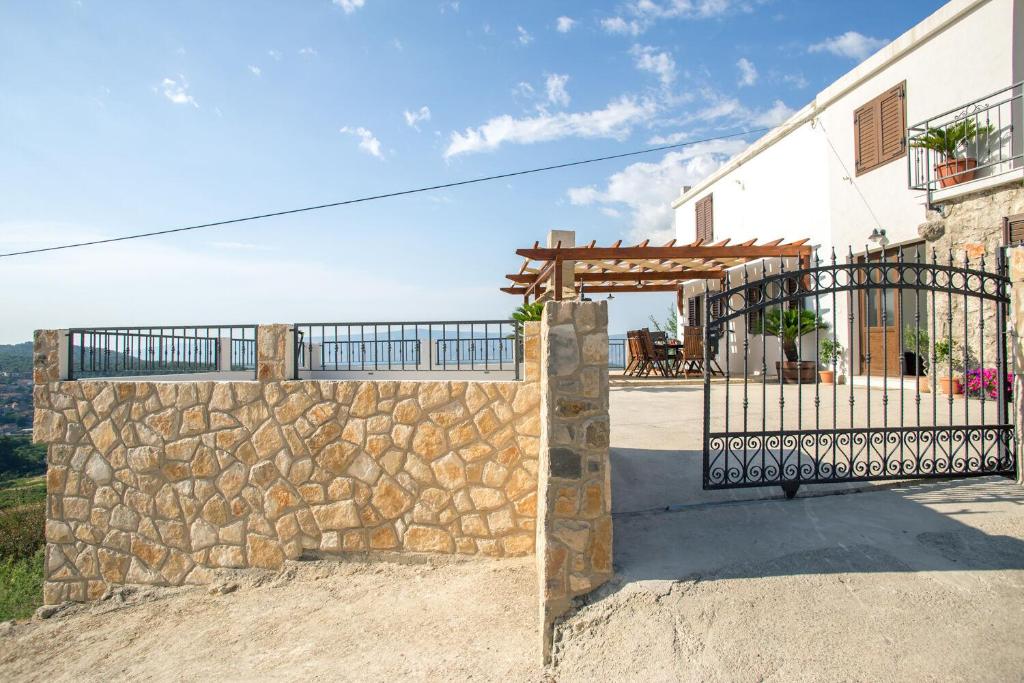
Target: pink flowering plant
point(986, 381)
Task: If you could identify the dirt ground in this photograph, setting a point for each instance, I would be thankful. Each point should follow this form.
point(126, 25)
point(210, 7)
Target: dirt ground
point(918, 581)
point(322, 620)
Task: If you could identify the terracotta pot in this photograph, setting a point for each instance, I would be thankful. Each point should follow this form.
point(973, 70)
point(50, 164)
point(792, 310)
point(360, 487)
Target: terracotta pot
point(923, 385)
point(951, 387)
point(955, 171)
point(797, 371)
point(827, 376)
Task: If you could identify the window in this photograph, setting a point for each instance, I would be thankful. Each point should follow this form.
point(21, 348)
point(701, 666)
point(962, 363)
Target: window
point(880, 130)
point(1013, 230)
point(705, 219)
point(694, 306)
point(755, 316)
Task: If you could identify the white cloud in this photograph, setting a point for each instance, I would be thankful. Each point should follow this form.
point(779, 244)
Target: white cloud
point(413, 118)
point(851, 45)
point(565, 24)
point(256, 71)
point(773, 116)
point(275, 55)
point(615, 121)
point(523, 89)
point(349, 6)
point(795, 80)
point(308, 52)
point(367, 141)
point(661, 64)
point(729, 111)
point(672, 139)
point(646, 189)
point(555, 86)
point(524, 36)
point(176, 90)
point(645, 13)
point(618, 25)
point(748, 72)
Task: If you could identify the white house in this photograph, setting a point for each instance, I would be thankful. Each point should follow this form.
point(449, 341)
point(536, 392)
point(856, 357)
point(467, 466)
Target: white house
point(846, 165)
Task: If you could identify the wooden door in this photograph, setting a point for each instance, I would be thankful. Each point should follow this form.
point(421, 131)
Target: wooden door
point(881, 321)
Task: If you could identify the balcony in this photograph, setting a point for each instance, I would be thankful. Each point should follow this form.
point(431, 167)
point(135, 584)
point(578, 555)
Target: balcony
point(969, 148)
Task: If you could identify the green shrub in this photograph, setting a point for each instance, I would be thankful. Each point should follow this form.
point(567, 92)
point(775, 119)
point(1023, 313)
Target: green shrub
point(18, 492)
point(22, 530)
point(21, 585)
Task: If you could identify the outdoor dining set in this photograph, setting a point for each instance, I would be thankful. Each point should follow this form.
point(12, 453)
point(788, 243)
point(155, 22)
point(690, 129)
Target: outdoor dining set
point(658, 354)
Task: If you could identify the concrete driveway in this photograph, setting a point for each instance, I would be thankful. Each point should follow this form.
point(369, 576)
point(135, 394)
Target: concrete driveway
point(920, 581)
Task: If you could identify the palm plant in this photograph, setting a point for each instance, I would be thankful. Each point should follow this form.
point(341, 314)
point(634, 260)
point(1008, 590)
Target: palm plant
point(789, 325)
point(528, 312)
point(950, 140)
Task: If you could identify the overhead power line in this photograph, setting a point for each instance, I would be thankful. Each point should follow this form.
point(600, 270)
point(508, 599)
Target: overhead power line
point(386, 195)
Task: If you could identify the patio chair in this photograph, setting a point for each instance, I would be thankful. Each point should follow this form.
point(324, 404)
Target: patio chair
point(635, 354)
point(657, 358)
point(693, 353)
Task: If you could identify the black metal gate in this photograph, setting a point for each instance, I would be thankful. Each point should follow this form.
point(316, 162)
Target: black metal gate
point(910, 328)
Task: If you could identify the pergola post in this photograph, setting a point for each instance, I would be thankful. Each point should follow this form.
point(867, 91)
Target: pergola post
point(564, 270)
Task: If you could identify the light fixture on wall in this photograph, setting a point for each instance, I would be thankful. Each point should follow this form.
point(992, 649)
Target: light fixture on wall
point(878, 237)
point(610, 296)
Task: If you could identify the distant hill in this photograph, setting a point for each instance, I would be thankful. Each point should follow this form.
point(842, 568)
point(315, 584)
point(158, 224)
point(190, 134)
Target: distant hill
point(16, 357)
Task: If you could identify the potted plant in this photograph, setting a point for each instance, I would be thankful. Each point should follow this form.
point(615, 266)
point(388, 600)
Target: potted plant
point(949, 364)
point(829, 351)
point(947, 143)
point(915, 355)
point(788, 326)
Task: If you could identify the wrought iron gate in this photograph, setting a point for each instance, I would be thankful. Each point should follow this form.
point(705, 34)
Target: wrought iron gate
point(771, 420)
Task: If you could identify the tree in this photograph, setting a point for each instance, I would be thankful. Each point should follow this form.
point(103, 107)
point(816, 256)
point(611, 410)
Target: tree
point(671, 323)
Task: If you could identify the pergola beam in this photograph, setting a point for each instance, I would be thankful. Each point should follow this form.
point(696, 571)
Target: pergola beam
point(687, 274)
point(685, 252)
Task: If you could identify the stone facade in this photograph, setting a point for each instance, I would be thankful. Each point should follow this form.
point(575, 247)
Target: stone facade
point(574, 539)
point(164, 482)
point(1015, 257)
point(971, 226)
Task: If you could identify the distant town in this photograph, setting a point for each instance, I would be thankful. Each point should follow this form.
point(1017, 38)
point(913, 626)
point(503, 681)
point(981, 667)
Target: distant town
point(16, 388)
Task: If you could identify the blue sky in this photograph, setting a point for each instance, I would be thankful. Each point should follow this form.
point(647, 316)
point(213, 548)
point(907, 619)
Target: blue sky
point(121, 117)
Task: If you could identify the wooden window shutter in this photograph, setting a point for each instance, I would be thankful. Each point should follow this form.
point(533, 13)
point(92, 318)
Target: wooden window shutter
point(705, 214)
point(693, 311)
point(755, 316)
point(880, 129)
point(1013, 229)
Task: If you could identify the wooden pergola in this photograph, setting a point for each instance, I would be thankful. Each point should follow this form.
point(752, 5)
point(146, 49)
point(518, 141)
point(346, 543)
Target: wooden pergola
point(638, 268)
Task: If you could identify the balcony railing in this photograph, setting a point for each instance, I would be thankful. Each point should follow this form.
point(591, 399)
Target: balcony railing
point(984, 137)
point(370, 347)
point(144, 351)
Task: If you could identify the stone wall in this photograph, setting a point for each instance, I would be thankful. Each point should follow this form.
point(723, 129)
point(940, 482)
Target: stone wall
point(164, 482)
point(971, 226)
point(574, 539)
point(1015, 257)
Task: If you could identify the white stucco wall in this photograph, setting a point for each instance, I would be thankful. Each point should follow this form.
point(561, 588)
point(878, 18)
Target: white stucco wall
point(792, 184)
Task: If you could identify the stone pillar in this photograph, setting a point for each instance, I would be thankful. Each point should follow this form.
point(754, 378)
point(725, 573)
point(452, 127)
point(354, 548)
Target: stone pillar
point(46, 356)
point(574, 524)
point(567, 238)
point(224, 354)
point(1015, 258)
point(273, 353)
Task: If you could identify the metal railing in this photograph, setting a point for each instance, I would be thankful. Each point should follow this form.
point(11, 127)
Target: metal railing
point(616, 354)
point(362, 347)
point(142, 351)
point(990, 142)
